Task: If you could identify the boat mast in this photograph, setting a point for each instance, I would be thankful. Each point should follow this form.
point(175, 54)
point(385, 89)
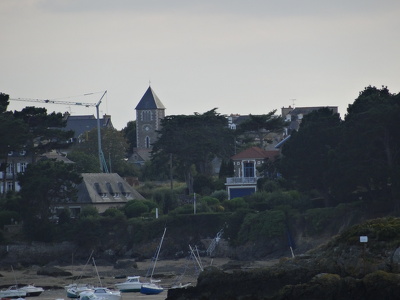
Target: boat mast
point(158, 252)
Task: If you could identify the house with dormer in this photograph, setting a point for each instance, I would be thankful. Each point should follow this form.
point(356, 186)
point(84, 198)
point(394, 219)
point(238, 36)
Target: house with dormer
point(102, 191)
point(246, 174)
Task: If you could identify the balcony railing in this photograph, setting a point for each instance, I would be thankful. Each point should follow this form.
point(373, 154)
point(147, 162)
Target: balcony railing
point(241, 180)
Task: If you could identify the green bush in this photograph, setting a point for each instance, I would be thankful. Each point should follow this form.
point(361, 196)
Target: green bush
point(318, 219)
point(267, 224)
point(135, 208)
point(89, 211)
point(235, 204)
point(221, 195)
point(113, 212)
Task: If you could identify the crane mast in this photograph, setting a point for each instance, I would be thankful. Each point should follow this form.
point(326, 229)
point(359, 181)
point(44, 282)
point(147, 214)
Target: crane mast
point(102, 161)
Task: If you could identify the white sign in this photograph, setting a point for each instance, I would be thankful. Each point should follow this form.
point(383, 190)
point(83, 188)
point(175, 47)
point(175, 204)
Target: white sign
point(363, 239)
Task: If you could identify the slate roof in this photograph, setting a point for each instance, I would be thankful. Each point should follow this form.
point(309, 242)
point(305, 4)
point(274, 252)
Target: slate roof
point(255, 153)
point(81, 124)
point(150, 101)
point(105, 188)
point(307, 110)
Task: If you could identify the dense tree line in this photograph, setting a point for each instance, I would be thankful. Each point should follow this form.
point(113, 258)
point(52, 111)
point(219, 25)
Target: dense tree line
point(355, 157)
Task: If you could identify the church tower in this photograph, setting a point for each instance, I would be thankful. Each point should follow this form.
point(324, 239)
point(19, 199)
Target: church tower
point(149, 113)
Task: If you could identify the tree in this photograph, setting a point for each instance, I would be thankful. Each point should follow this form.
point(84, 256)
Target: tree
point(309, 154)
point(13, 136)
point(114, 148)
point(193, 141)
point(261, 125)
point(84, 162)
point(45, 185)
point(130, 135)
point(370, 151)
point(44, 129)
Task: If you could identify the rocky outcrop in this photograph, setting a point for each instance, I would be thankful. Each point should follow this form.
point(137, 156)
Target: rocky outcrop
point(343, 269)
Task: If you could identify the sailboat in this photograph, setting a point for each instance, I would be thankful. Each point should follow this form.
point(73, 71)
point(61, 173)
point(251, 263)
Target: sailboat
point(152, 287)
point(194, 257)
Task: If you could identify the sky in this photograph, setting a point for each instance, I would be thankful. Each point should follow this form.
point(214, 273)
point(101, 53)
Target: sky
point(239, 56)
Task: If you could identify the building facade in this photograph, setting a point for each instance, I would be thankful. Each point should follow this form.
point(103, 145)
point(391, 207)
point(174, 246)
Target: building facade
point(149, 113)
point(245, 171)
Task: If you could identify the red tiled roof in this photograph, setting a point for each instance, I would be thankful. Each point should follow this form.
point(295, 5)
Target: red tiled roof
point(255, 152)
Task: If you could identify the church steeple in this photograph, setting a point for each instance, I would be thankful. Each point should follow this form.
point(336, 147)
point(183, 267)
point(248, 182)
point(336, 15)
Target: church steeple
point(150, 101)
point(149, 113)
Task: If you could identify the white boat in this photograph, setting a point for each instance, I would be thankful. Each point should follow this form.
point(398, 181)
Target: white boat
point(88, 295)
point(12, 292)
point(74, 290)
point(132, 284)
point(106, 293)
point(152, 287)
point(32, 290)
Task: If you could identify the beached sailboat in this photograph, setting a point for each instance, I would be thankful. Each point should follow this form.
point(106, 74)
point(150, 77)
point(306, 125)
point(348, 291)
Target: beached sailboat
point(153, 287)
point(193, 258)
point(31, 290)
point(132, 284)
point(74, 289)
point(103, 292)
point(12, 292)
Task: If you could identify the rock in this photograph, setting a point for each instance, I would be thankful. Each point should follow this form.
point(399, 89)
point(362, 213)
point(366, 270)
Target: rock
point(53, 271)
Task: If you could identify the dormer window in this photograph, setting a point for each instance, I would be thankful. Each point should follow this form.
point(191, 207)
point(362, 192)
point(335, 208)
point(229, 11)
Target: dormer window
point(110, 189)
point(98, 190)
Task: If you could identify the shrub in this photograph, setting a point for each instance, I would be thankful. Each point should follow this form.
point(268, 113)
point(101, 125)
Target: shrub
point(266, 224)
point(113, 213)
point(234, 204)
point(221, 195)
point(135, 208)
point(89, 211)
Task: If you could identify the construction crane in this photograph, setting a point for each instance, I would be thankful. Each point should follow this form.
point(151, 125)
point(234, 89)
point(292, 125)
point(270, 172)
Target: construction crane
point(102, 161)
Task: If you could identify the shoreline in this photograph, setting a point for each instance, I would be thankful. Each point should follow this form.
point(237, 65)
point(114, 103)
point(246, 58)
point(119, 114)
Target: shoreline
point(167, 270)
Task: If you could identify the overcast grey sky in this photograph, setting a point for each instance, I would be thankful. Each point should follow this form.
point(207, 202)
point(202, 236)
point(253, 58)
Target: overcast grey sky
point(244, 57)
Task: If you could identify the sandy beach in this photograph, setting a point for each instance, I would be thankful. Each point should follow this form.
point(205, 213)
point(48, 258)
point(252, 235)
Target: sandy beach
point(168, 271)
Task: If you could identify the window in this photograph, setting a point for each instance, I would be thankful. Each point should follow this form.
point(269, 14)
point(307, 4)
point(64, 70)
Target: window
point(147, 142)
point(21, 167)
point(75, 211)
point(10, 168)
point(98, 190)
point(10, 186)
point(146, 115)
point(109, 188)
point(248, 169)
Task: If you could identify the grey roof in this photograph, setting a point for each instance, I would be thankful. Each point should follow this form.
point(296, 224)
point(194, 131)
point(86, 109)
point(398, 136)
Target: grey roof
point(81, 124)
point(150, 101)
point(105, 188)
point(58, 156)
point(307, 110)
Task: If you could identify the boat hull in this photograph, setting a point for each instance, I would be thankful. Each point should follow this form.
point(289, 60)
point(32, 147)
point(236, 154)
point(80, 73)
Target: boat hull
point(32, 291)
point(151, 289)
